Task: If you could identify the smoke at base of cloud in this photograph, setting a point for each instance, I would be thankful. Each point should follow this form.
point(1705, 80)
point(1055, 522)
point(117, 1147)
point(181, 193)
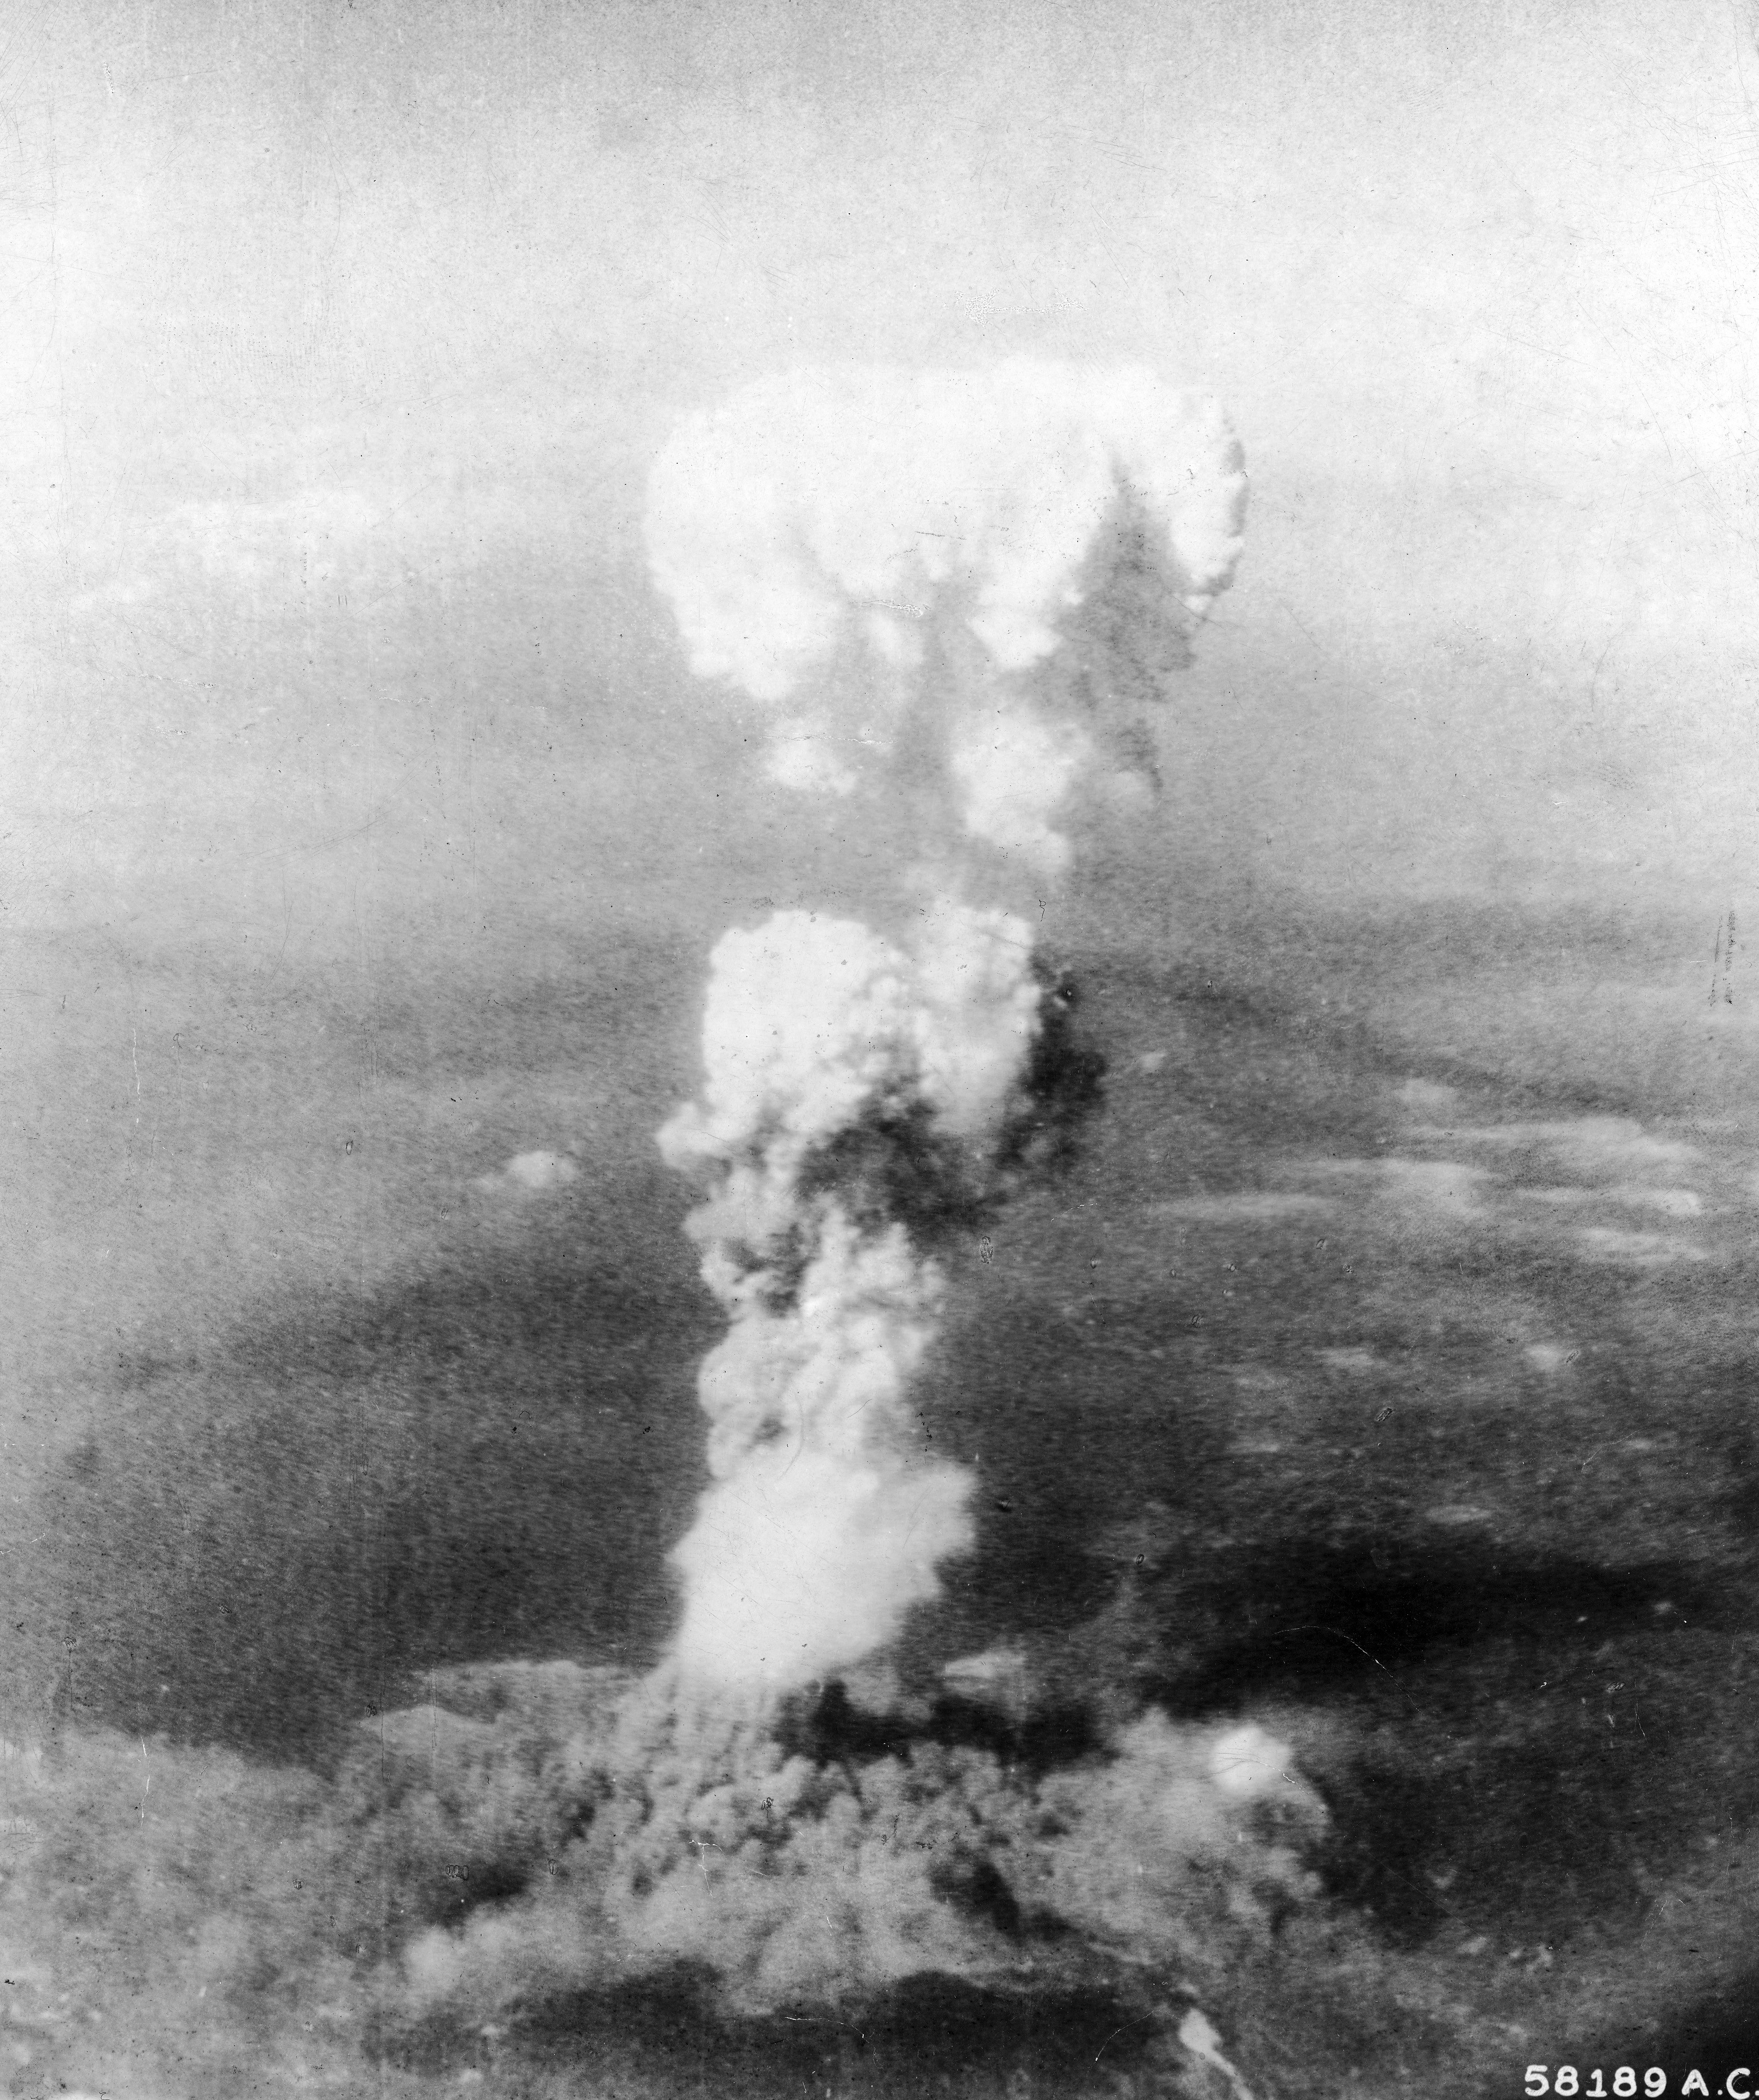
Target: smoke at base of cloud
point(177, 1920)
point(652, 1838)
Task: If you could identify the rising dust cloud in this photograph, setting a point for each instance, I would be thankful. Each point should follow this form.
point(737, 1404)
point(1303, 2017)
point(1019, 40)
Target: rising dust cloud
point(951, 594)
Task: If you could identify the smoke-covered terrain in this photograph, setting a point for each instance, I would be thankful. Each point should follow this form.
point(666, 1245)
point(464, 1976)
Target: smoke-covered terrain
point(1384, 1391)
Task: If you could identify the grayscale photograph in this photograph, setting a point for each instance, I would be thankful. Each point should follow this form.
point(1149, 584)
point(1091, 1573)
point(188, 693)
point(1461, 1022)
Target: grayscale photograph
point(880, 1050)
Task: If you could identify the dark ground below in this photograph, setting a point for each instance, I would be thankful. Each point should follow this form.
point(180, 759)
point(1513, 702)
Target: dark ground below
point(1394, 1389)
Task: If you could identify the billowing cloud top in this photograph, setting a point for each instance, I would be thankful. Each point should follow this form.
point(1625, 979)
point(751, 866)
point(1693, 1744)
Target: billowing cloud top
point(834, 542)
point(812, 1021)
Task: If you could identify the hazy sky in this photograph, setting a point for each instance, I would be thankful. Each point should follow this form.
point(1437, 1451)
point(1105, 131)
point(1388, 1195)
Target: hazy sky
point(339, 338)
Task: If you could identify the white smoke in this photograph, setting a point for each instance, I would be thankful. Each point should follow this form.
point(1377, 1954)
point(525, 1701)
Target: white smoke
point(953, 591)
point(660, 1839)
point(859, 550)
point(825, 1522)
point(950, 587)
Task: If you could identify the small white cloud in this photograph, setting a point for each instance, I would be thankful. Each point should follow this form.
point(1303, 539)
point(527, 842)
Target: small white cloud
point(529, 1174)
point(542, 1170)
point(1549, 1356)
point(1252, 1378)
point(1357, 1362)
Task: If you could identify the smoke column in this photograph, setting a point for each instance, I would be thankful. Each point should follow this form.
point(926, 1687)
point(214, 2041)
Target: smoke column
point(950, 593)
